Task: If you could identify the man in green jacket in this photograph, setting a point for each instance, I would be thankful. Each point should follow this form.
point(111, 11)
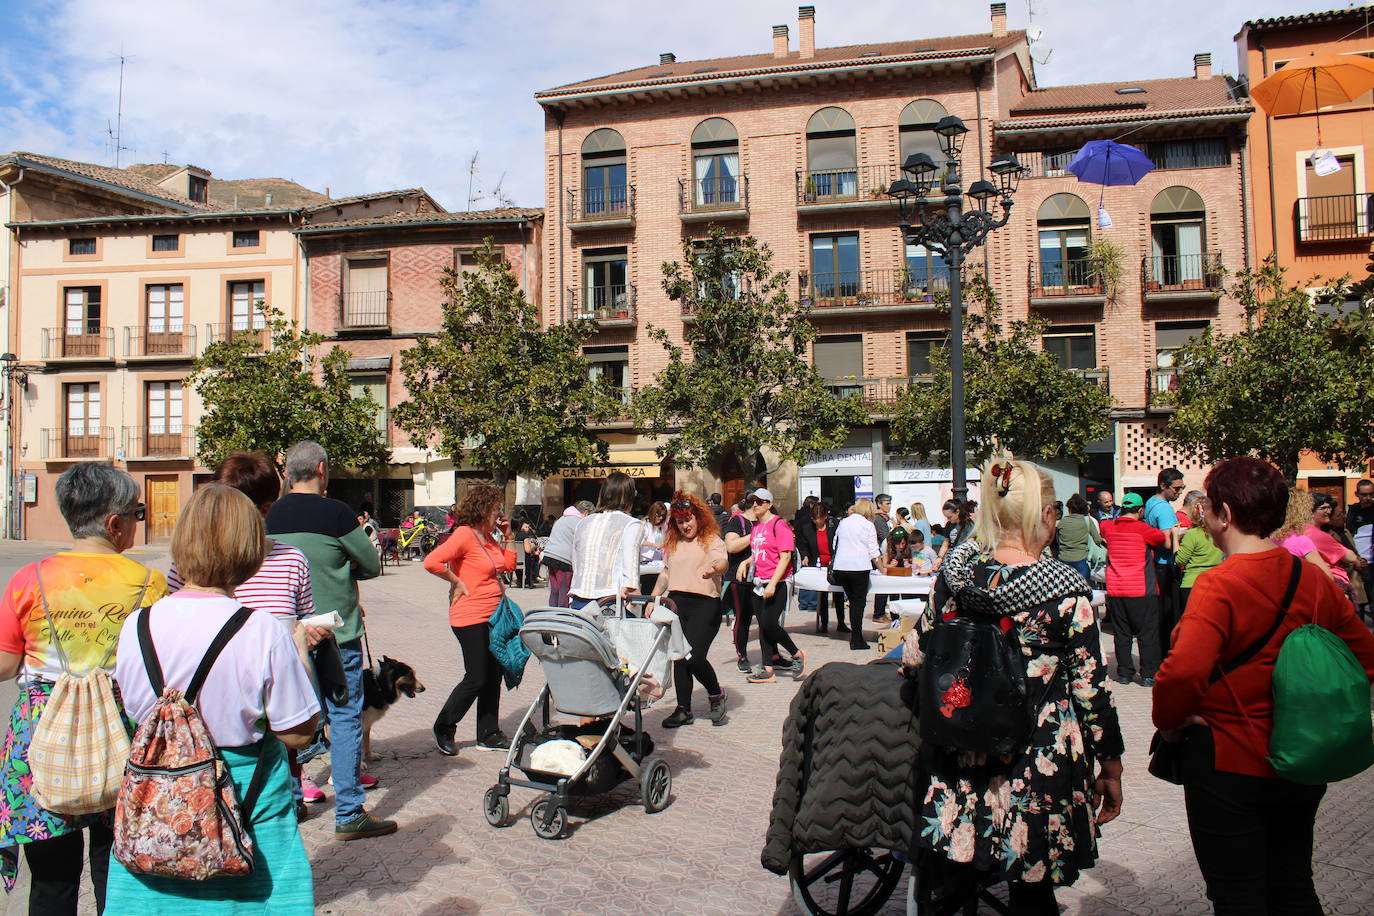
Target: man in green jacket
point(328, 533)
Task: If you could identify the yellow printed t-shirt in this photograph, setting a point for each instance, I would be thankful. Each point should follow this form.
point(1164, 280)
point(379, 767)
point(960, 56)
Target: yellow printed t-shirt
point(90, 595)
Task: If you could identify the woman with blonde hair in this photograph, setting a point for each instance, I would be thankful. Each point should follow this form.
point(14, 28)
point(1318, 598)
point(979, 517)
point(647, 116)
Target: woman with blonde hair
point(257, 701)
point(856, 556)
point(1029, 815)
point(1292, 534)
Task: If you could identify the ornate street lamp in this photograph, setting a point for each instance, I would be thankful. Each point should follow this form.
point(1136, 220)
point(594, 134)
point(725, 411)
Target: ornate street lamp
point(944, 226)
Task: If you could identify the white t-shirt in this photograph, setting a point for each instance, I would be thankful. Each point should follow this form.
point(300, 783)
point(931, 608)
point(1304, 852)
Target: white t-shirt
point(281, 586)
point(258, 678)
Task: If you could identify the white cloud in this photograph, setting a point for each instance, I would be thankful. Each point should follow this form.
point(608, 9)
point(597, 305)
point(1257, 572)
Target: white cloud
point(360, 96)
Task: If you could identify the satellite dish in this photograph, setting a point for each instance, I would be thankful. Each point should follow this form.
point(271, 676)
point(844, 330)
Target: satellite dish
point(1041, 54)
point(1034, 33)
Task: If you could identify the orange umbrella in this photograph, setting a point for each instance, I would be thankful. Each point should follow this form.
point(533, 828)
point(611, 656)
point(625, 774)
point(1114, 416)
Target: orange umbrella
point(1314, 82)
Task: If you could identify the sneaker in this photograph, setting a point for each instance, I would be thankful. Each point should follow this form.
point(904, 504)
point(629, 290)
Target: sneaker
point(762, 676)
point(1147, 682)
point(680, 717)
point(1121, 679)
point(742, 663)
point(443, 740)
point(496, 741)
point(365, 780)
point(363, 826)
point(311, 792)
point(798, 666)
point(717, 708)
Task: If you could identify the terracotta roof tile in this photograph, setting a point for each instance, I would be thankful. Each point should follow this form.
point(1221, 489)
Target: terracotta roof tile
point(1353, 14)
point(437, 219)
point(1094, 102)
point(686, 70)
point(124, 178)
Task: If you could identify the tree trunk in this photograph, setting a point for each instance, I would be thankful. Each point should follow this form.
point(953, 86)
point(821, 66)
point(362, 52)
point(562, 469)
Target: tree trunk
point(1288, 465)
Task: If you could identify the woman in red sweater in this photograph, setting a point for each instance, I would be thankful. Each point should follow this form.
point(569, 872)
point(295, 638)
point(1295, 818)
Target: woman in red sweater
point(1251, 830)
point(472, 561)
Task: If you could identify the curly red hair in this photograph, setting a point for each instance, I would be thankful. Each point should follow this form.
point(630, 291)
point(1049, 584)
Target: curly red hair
point(683, 505)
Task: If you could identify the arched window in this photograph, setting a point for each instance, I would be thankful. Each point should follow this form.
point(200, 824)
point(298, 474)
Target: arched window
point(604, 185)
point(715, 163)
point(1178, 239)
point(916, 130)
point(831, 161)
point(1065, 228)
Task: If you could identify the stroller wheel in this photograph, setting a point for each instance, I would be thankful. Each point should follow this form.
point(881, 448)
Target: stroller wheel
point(557, 822)
point(655, 785)
point(496, 807)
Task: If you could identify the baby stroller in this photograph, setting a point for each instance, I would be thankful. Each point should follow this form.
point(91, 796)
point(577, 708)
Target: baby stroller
point(585, 678)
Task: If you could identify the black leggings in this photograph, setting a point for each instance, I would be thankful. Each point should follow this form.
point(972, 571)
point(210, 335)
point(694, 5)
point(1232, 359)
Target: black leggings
point(481, 682)
point(55, 870)
point(771, 634)
point(855, 584)
point(700, 617)
point(1253, 841)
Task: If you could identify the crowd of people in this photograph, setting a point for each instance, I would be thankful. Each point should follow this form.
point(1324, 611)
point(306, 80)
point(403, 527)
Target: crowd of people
point(1181, 588)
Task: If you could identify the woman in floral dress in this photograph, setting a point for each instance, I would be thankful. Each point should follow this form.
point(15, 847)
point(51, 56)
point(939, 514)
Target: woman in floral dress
point(1029, 818)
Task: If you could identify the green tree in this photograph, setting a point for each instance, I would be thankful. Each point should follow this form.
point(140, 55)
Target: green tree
point(1296, 379)
point(740, 382)
point(1016, 396)
point(266, 400)
point(497, 388)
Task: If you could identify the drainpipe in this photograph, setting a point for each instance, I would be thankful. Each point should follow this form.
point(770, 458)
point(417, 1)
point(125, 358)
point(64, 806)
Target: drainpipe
point(13, 506)
point(559, 115)
point(1269, 151)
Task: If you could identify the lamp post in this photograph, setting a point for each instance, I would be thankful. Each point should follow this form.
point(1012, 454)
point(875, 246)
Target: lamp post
point(947, 228)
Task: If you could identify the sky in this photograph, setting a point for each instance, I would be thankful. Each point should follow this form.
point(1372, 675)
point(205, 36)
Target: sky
point(358, 96)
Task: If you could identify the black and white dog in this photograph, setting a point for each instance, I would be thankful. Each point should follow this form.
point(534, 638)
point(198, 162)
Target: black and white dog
point(383, 685)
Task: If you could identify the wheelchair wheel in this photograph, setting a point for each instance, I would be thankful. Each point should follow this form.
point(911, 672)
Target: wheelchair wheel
point(854, 882)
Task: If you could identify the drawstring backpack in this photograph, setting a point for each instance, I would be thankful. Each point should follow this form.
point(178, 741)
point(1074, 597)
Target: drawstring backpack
point(81, 742)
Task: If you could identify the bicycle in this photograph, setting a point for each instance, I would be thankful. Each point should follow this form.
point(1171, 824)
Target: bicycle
point(416, 542)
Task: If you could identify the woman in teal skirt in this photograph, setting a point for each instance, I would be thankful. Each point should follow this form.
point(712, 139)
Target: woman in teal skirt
point(256, 702)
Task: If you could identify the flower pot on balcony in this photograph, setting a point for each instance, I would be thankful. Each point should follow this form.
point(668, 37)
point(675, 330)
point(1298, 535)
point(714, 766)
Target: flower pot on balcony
point(604, 313)
point(622, 313)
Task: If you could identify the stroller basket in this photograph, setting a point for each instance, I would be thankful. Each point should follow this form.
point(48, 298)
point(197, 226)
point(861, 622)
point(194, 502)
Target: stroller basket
point(605, 773)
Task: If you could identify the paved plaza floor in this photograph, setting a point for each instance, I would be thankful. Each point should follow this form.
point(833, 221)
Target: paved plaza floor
point(701, 855)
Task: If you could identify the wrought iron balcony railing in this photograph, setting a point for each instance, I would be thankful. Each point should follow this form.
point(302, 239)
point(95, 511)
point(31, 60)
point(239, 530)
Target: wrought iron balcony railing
point(1181, 273)
point(78, 341)
point(882, 287)
point(878, 393)
point(171, 339)
point(223, 332)
point(1046, 165)
point(1058, 278)
point(167, 441)
point(608, 204)
point(607, 305)
point(1336, 218)
point(862, 184)
point(77, 442)
point(713, 196)
point(364, 309)
point(1163, 382)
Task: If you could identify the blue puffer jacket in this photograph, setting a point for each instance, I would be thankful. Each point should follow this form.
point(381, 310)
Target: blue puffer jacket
point(505, 625)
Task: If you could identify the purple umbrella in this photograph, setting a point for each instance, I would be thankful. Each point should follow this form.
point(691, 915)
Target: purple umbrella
point(1107, 162)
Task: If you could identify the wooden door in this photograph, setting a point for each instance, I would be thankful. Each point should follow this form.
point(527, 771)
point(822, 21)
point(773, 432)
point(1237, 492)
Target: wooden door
point(163, 498)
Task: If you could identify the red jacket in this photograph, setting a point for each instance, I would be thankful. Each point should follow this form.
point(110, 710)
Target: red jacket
point(1232, 606)
point(1130, 566)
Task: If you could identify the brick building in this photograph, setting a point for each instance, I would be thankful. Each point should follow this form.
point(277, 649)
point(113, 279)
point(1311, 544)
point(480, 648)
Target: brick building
point(373, 288)
point(796, 148)
point(1319, 226)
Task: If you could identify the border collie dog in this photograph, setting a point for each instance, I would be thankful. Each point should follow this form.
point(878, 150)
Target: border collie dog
point(384, 684)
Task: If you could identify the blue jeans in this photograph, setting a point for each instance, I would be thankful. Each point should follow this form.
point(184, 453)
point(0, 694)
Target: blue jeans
point(1083, 569)
point(346, 737)
point(806, 600)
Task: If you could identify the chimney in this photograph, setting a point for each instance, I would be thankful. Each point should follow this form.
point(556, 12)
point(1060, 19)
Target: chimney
point(667, 57)
point(1202, 66)
point(806, 31)
point(779, 41)
point(999, 19)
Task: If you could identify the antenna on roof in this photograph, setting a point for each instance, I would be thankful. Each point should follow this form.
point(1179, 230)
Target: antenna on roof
point(1039, 51)
point(499, 195)
point(472, 172)
point(115, 133)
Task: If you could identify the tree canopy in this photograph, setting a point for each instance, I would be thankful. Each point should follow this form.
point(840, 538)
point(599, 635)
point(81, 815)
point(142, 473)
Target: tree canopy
point(495, 387)
point(267, 400)
point(1016, 396)
point(1298, 378)
point(740, 382)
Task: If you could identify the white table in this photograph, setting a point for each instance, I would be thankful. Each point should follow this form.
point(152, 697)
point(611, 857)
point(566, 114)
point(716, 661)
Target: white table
point(812, 578)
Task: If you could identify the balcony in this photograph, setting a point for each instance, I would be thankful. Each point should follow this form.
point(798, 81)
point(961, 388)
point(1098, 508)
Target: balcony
point(1338, 218)
point(1064, 282)
point(891, 289)
point(364, 310)
point(880, 394)
point(701, 199)
point(602, 208)
point(845, 189)
point(1181, 276)
point(224, 332)
point(140, 444)
point(76, 342)
point(77, 443)
point(1046, 165)
point(608, 306)
point(167, 341)
point(1163, 382)
point(1100, 376)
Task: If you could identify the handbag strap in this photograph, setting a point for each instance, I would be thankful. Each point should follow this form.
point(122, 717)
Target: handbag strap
point(495, 573)
point(1253, 649)
point(154, 667)
point(52, 625)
